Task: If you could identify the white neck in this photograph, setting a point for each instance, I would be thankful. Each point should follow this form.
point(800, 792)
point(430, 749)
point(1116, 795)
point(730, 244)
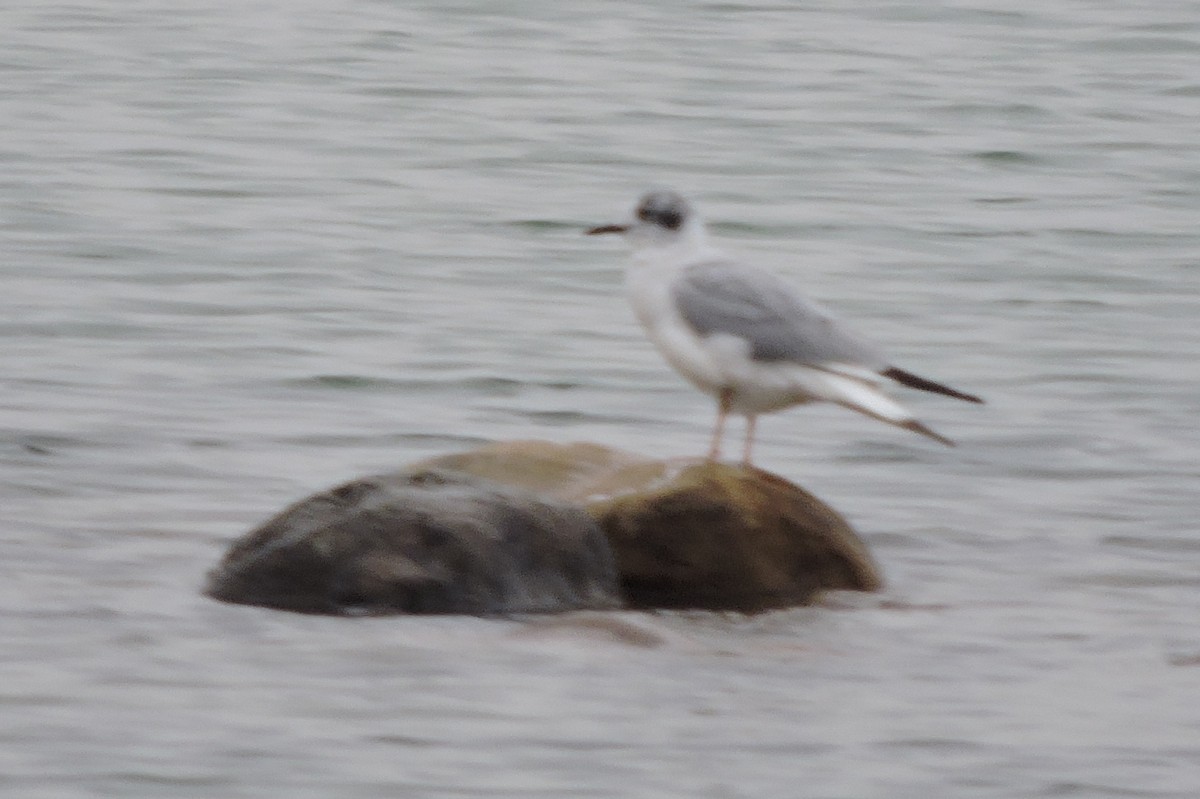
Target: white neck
point(658, 257)
point(655, 246)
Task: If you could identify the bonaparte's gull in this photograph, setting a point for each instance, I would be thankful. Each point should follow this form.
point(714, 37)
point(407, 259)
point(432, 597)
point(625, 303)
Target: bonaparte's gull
point(741, 333)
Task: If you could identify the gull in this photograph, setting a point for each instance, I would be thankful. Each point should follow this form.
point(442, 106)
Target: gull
point(743, 335)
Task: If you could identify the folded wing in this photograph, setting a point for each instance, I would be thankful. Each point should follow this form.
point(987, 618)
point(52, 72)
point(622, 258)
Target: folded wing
point(721, 297)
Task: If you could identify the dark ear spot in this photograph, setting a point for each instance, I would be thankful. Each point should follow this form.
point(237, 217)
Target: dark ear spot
point(670, 219)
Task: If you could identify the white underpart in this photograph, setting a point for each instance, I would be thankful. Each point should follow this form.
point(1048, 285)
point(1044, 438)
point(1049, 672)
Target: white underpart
point(718, 362)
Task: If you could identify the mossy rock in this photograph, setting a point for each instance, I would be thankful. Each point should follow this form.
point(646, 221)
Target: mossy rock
point(724, 537)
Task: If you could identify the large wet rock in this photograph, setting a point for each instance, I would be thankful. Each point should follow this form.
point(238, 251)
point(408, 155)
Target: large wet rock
point(537, 527)
point(422, 541)
point(691, 534)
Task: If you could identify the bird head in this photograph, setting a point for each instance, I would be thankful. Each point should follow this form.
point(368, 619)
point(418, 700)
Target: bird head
point(661, 219)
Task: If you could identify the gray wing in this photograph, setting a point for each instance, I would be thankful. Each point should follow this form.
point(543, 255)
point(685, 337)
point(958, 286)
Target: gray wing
point(724, 297)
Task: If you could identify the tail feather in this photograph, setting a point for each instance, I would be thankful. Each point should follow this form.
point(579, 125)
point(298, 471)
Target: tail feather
point(917, 427)
point(867, 399)
point(913, 381)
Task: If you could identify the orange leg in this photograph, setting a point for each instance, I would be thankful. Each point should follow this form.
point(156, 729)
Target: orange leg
point(751, 421)
point(724, 400)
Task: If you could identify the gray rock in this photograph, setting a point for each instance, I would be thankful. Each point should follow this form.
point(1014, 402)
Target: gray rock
point(422, 541)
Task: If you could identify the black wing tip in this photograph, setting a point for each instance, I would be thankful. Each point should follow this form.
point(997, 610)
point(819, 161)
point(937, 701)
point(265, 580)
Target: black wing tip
point(917, 427)
point(913, 381)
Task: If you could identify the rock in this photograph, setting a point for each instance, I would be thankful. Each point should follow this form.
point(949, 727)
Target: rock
point(534, 527)
point(691, 534)
point(571, 472)
point(723, 537)
point(421, 541)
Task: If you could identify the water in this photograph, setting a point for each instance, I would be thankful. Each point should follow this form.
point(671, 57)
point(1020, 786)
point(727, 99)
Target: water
point(250, 251)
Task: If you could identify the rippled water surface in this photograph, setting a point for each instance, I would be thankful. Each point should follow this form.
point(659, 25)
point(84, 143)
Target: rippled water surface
point(252, 250)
